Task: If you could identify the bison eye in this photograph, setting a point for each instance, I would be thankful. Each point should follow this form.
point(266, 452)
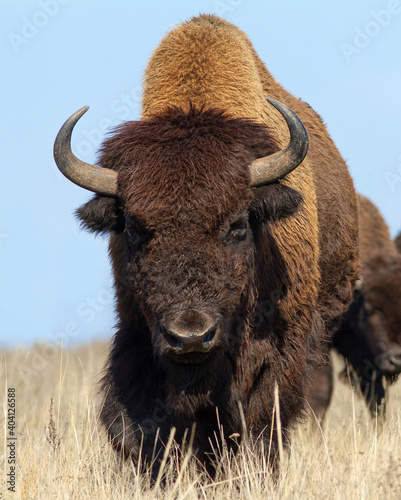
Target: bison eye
point(132, 235)
point(238, 232)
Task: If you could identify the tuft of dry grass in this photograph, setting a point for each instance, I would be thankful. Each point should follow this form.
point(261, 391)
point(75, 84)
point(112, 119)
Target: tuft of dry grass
point(63, 453)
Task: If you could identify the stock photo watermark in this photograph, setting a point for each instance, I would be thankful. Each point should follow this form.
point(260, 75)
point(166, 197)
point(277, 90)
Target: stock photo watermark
point(363, 36)
point(121, 108)
point(3, 237)
point(45, 353)
point(33, 24)
point(221, 7)
point(11, 440)
point(393, 179)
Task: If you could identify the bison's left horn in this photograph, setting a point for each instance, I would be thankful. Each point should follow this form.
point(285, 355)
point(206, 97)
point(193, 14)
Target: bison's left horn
point(275, 166)
point(96, 179)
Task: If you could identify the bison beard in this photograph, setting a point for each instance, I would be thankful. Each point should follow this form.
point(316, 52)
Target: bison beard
point(223, 290)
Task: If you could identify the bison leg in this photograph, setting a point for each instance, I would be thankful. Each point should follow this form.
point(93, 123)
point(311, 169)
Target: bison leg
point(374, 390)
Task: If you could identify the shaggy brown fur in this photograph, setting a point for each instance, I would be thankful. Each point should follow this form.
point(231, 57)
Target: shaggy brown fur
point(274, 266)
point(370, 337)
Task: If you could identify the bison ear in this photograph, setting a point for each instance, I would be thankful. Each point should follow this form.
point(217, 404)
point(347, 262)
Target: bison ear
point(101, 214)
point(274, 201)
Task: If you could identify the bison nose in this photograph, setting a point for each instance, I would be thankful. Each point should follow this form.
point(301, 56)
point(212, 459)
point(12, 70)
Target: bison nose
point(191, 331)
point(390, 360)
point(395, 359)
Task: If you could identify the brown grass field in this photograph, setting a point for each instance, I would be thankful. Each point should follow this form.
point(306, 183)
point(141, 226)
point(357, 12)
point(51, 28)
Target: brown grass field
point(62, 453)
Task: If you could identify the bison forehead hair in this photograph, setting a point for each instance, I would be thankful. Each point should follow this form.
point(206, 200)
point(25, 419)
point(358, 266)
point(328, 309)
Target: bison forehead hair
point(182, 165)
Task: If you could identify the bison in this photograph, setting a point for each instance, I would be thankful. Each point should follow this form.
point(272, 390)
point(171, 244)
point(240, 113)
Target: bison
point(370, 336)
point(233, 256)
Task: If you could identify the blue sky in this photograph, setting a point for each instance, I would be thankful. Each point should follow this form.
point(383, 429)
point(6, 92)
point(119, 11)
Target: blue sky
point(342, 57)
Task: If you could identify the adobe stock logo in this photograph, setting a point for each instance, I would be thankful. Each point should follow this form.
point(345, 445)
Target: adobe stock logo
point(393, 179)
point(31, 26)
point(372, 29)
point(223, 6)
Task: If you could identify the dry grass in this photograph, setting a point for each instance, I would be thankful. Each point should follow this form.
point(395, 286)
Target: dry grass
point(63, 454)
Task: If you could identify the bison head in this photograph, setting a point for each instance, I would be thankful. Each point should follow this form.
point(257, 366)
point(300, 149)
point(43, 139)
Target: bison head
point(379, 313)
point(184, 196)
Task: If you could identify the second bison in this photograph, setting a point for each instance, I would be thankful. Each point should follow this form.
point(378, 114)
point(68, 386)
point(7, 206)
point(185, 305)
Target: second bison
point(370, 337)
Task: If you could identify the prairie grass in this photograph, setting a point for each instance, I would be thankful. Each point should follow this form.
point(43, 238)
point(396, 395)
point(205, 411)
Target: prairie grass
point(62, 453)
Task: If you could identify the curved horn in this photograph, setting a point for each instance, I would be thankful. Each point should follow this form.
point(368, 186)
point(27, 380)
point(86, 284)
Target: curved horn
point(99, 180)
point(275, 166)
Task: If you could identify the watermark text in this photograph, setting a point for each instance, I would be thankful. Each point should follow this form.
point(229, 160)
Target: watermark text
point(11, 439)
point(363, 36)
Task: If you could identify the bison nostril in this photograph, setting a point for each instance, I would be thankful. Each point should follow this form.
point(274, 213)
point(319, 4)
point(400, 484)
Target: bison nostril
point(172, 340)
point(210, 336)
point(190, 331)
point(395, 360)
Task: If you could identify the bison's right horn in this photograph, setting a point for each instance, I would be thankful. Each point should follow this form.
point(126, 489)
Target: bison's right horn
point(273, 167)
point(99, 180)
